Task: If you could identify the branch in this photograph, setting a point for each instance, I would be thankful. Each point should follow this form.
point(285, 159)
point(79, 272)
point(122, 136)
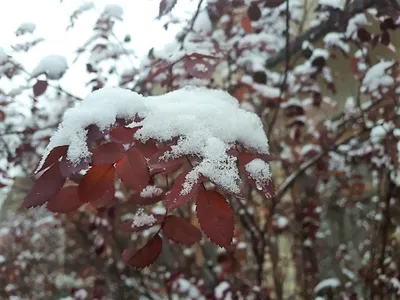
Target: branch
point(334, 23)
point(196, 14)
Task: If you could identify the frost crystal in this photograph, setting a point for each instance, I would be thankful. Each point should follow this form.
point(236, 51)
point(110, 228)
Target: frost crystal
point(207, 122)
point(142, 219)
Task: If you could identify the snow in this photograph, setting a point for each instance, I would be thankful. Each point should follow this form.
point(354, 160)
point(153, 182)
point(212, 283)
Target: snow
point(150, 191)
point(207, 122)
point(220, 289)
point(354, 23)
point(141, 218)
point(331, 282)
point(376, 76)
point(336, 39)
point(339, 4)
point(378, 132)
point(282, 222)
point(54, 66)
point(26, 27)
point(2, 259)
point(113, 11)
point(203, 23)
point(3, 56)
point(259, 170)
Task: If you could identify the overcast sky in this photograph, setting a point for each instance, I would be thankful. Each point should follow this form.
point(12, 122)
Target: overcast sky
point(52, 17)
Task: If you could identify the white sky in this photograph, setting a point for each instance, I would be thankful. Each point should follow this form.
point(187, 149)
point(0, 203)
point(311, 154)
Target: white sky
point(52, 17)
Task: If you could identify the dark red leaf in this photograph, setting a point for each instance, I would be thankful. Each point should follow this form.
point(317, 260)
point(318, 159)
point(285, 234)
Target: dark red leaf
point(45, 187)
point(180, 230)
point(132, 169)
point(145, 256)
point(363, 35)
point(254, 12)
point(107, 153)
point(199, 68)
point(215, 217)
point(96, 183)
point(94, 133)
point(2, 116)
point(273, 3)
point(148, 149)
point(123, 135)
point(65, 201)
point(167, 166)
point(165, 7)
point(174, 198)
point(67, 168)
point(39, 87)
point(385, 38)
point(107, 200)
point(54, 155)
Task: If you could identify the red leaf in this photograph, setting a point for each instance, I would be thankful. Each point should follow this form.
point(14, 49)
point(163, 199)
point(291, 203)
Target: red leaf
point(148, 149)
point(174, 198)
point(65, 201)
point(199, 68)
point(246, 24)
point(215, 217)
point(2, 116)
point(123, 135)
point(94, 133)
point(167, 166)
point(96, 182)
point(107, 153)
point(132, 169)
point(39, 87)
point(67, 168)
point(144, 256)
point(53, 156)
point(107, 200)
point(268, 188)
point(165, 7)
point(180, 230)
point(45, 187)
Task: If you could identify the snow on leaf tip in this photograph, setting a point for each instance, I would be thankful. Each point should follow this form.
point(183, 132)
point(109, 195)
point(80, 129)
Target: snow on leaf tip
point(53, 156)
point(175, 198)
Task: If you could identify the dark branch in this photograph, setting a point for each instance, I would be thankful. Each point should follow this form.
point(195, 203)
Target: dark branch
point(334, 23)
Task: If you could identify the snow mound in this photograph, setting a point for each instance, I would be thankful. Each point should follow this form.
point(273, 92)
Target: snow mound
point(113, 11)
point(26, 27)
point(54, 66)
point(207, 122)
